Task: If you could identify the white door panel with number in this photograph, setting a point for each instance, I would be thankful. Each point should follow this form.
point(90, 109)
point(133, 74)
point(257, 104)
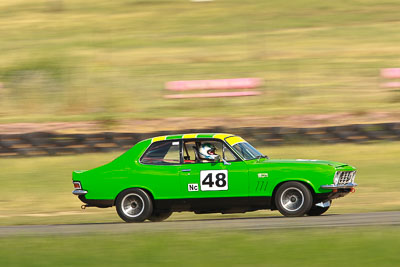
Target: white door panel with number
point(213, 180)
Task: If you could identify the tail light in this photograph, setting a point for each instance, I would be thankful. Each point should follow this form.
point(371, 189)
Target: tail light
point(77, 185)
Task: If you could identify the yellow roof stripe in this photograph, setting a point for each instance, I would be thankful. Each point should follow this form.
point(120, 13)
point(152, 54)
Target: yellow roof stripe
point(221, 136)
point(189, 136)
point(159, 138)
point(234, 140)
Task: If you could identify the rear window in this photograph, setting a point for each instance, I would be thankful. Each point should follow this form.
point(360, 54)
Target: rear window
point(162, 153)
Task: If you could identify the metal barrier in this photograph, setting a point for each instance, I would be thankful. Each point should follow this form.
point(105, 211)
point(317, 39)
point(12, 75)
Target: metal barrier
point(50, 144)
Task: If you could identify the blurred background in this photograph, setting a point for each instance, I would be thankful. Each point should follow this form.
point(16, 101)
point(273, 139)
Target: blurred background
point(93, 66)
point(73, 60)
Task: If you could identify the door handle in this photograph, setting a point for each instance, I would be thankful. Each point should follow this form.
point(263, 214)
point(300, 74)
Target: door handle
point(185, 170)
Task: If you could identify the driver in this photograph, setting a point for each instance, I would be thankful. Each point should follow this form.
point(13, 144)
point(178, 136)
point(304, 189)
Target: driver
point(207, 152)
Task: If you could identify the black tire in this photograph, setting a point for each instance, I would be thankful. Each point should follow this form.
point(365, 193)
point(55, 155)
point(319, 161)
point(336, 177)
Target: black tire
point(134, 205)
point(159, 216)
point(316, 211)
point(293, 199)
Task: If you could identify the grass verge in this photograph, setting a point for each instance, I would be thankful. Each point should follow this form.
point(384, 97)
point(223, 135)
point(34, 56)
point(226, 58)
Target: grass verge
point(364, 246)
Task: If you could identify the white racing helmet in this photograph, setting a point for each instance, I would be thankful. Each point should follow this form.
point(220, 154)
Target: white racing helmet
point(207, 151)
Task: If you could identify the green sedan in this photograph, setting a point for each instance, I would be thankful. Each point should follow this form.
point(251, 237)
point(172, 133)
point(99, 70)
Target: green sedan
point(210, 173)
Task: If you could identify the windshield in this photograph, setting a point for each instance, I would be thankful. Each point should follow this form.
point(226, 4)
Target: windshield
point(247, 151)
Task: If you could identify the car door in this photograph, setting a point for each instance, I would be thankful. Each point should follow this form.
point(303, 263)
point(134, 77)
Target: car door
point(213, 179)
point(159, 170)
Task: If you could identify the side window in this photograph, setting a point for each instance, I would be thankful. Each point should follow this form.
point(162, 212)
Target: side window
point(189, 152)
point(162, 153)
point(193, 152)
point(228, 155)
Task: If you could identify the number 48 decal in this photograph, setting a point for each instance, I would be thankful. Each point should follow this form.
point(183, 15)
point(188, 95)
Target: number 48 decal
point(214, 180)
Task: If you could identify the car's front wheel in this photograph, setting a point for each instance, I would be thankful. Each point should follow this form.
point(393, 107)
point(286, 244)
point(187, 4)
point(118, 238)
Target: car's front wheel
point(316, 211)
point(134, 205)
point(293, 199)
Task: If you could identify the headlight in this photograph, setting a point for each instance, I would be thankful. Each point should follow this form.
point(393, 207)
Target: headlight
point(336, 178)
point(353, 176)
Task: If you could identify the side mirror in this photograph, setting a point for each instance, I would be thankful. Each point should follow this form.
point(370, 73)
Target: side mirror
point(225, 162)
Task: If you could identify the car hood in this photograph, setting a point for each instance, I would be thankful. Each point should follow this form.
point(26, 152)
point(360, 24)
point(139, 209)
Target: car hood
point(308, 161)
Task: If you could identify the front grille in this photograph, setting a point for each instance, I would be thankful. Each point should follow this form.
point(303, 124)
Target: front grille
point(344, 177)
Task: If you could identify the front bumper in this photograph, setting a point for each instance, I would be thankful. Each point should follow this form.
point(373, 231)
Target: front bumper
point(336, 193)
point(339, 186)
point(79, 192)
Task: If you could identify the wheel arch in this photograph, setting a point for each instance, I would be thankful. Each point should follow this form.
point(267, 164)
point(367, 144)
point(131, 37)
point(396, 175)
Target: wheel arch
point(302, 181)
point(146, 190)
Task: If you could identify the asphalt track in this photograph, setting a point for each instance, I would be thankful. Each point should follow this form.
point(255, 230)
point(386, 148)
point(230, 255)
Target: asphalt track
point(235, 224)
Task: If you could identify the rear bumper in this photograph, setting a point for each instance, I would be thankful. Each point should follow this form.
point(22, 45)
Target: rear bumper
point(341, 186)
point(79, 192)
point(100, 203)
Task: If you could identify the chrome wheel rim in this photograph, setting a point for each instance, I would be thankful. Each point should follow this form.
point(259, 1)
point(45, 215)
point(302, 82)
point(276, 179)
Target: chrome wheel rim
point(292, 199)
point(132, 205)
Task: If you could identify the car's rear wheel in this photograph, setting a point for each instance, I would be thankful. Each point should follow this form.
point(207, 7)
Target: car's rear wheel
point(134, 205)
point(316, 211)
point(293, 199)
point(158, 216)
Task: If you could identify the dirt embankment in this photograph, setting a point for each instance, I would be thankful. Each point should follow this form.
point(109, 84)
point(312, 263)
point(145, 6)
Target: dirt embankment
point(181, 123)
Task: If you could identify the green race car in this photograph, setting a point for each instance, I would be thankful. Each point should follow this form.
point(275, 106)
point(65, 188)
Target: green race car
point(208, 173)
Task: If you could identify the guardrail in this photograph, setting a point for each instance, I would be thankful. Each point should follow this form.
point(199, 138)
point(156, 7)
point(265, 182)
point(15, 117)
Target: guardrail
point(51, 144)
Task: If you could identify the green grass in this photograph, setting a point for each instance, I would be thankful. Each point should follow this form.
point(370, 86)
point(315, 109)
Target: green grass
point(365, 246)
point(96, 59)
point(38, 190)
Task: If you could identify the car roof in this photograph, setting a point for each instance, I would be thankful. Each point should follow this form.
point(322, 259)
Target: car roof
point(220, 136)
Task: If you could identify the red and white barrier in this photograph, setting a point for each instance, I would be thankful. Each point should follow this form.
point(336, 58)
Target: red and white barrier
point(391, 85)
point(221, 84)
point(219, 94)
point(391, 73)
